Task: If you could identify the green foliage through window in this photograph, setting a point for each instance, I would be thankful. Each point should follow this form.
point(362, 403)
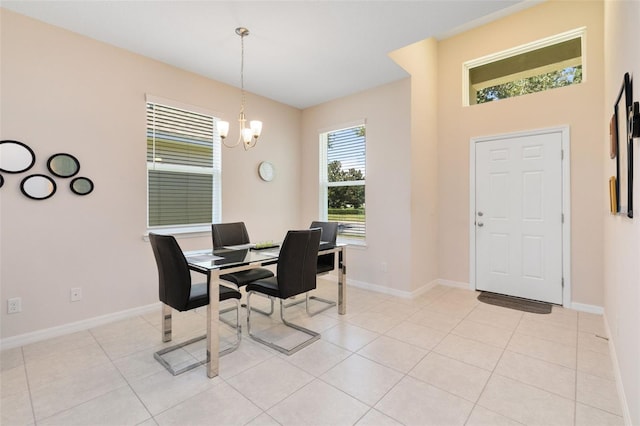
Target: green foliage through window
point(538, 83)
point(540, 65)
point(343, 180)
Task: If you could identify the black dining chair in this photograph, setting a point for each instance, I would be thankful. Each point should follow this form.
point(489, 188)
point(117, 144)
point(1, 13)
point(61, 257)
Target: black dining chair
point(235, 234)
point(176, 291)
point(326, 263)
point(296, 274)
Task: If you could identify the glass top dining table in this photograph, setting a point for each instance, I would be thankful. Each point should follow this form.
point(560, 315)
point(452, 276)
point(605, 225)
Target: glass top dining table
point(232, 259)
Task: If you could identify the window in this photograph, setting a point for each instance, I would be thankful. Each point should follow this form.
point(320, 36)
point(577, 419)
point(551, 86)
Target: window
point(183, 167)
point(535, 67)
point(342, 181)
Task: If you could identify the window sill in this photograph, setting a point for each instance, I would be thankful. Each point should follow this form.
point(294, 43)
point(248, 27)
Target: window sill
point(353, 243)
point(181, 232)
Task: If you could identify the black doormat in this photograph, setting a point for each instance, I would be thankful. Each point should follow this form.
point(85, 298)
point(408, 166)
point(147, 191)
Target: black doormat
point(515, 303)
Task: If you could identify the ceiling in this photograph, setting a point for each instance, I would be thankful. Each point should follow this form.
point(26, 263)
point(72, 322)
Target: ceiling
point(301, 53)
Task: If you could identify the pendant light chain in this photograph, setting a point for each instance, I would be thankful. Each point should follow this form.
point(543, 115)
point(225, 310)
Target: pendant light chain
point(243, 97)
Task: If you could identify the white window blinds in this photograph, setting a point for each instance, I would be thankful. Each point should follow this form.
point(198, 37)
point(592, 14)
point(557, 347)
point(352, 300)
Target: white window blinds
point(343, 173)
point(184, 167)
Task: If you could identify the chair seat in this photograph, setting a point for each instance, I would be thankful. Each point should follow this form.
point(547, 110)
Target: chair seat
point(227, 293)
point(245, 277)
point(323, 269)
point(268, 286)
point(199, 297)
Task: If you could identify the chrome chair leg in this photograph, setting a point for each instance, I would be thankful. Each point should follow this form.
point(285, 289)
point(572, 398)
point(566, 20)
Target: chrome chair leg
point(158, 356)
point(238, 328)
point(330, 304)
point(166, 323)
point(295, 302)
point(166, 332)
point(235, 287)
point(314, 335)
point(260, 310)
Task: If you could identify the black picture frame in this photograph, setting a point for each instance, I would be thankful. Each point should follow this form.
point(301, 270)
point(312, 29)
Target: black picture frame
point(624, 157)
point(81, 186)
point(26, 152)
point(63, 165)
point(37, 192)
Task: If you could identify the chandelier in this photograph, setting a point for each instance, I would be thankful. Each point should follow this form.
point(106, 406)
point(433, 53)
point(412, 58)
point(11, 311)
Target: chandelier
point(247, 135)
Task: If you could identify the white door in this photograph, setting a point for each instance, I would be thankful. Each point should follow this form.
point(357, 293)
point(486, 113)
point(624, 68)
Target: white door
point(518, 217)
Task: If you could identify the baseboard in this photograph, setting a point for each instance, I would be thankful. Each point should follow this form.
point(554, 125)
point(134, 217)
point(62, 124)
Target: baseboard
point(402, 293)
point(626, 414)
point(455, 284)
point(36, 336)
point(425, 288)
point(592, 309)
point(379, 289)
point(48, 333)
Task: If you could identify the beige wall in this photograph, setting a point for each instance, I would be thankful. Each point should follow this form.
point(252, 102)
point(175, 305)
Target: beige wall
point(622, 235)
point(62, 92)
point(420, 60)
point(388, 180)
point(578, 106)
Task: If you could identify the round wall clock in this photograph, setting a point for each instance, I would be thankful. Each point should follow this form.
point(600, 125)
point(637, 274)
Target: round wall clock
point(266, 171)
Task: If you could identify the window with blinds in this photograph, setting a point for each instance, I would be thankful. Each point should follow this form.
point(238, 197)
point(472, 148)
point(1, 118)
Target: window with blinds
point(342, 181)
point(183, 167)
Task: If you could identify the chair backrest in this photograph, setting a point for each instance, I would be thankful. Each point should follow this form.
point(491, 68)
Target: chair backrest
point(297, 262)
point(326, 262)
point(229, 234)
point(174, 277)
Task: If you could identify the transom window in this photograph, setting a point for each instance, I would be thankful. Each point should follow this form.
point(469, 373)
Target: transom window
point(342, 181)
point(542, 65)
point(183, 167)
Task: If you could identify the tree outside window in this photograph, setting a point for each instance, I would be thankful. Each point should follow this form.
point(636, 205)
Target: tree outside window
point(524, 86)
point(343, 171)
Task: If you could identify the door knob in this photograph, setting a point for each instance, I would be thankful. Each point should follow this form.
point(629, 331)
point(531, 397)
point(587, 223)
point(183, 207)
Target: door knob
point(480, 224)
point(480, 214)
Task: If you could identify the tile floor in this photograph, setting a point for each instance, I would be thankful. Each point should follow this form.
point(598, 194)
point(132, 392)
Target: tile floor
point(441, 359)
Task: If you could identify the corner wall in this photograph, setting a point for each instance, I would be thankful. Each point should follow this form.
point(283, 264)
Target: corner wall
point(387, 110)
point(621, 234)
point(421, 61)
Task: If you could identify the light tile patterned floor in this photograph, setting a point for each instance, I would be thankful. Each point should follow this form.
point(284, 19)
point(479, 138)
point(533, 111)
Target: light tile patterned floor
point(441, 359)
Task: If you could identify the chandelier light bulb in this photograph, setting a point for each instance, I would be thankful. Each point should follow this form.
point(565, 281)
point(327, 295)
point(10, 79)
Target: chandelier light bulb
point(223, 129)
point(246, 135)
point(256, 128)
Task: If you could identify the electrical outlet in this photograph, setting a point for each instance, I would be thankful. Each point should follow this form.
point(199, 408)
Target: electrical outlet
point(14, 305)
point(76, 294)
point(383, 267)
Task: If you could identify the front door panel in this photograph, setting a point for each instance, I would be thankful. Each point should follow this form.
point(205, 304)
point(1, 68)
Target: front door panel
point(519, 216)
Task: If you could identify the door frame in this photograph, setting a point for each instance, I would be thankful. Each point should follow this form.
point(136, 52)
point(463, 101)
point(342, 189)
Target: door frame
point(566, 202)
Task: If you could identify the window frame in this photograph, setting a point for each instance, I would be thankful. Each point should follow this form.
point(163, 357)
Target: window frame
point(215, 171)
point(523, 49)
point(324, 183)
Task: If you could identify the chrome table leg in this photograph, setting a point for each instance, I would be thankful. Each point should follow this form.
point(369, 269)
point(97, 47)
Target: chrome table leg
point(342, 281)
point(213, 312)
